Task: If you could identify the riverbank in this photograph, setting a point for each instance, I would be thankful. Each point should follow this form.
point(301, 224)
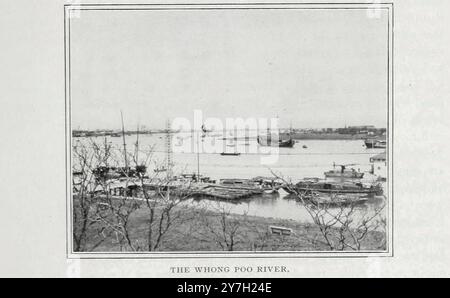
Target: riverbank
point(194, 229)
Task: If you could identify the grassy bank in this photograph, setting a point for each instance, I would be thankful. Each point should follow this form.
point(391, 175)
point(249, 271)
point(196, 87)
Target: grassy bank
point(204, 230)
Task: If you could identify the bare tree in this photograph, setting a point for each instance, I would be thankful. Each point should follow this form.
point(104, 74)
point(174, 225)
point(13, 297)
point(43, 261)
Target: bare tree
point(162, 199)
point(87, 159)
point(222, 227)
point(341, 226)
point(101, 214)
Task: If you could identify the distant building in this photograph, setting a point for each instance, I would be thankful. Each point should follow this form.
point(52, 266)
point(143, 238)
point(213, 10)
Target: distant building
point(363, 127)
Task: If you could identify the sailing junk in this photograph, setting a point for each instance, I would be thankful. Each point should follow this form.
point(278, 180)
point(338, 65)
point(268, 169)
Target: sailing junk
point(277, 141)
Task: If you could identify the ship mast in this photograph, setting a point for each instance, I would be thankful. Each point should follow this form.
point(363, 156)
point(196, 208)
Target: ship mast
point(169, 149)
point(124, 145)
point(198, 157)
point(137, 145)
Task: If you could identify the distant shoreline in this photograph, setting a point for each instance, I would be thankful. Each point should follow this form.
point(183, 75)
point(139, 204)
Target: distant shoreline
point(330, 136)
point(295, 136)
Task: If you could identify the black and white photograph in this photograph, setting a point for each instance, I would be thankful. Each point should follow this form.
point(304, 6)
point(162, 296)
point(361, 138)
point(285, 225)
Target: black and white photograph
point(229, 128)
point(223, 147)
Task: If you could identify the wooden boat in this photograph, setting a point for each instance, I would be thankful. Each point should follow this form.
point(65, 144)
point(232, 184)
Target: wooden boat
point(319, 199)
point(268, 141)
point(375, 143)
point(195, 178)
point(343, 172)
point(226, 189)
point(380, 145)
point(221, 192)
point(305, 187)
point(275, 140)
point(268, 184)
point(247, 184)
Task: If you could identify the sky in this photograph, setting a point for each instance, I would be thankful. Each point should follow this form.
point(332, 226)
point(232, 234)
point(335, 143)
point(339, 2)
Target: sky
point(311, 68)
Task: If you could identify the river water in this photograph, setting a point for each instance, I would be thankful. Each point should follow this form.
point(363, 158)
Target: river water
point(308, 158)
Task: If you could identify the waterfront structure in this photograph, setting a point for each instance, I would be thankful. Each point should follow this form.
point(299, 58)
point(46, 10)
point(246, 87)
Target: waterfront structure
point(375, 143)
point(379, 165)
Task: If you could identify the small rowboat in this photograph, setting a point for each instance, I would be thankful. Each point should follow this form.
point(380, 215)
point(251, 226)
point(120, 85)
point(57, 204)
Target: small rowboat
point(230, 154)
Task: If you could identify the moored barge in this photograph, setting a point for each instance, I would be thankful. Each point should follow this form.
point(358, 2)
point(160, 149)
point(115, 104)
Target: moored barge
point(306, 187)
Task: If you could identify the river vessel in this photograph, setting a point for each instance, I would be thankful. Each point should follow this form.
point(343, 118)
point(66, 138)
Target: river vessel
point(276, 142)
point(343, 172)
point(375, 144)
point(308, 186)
